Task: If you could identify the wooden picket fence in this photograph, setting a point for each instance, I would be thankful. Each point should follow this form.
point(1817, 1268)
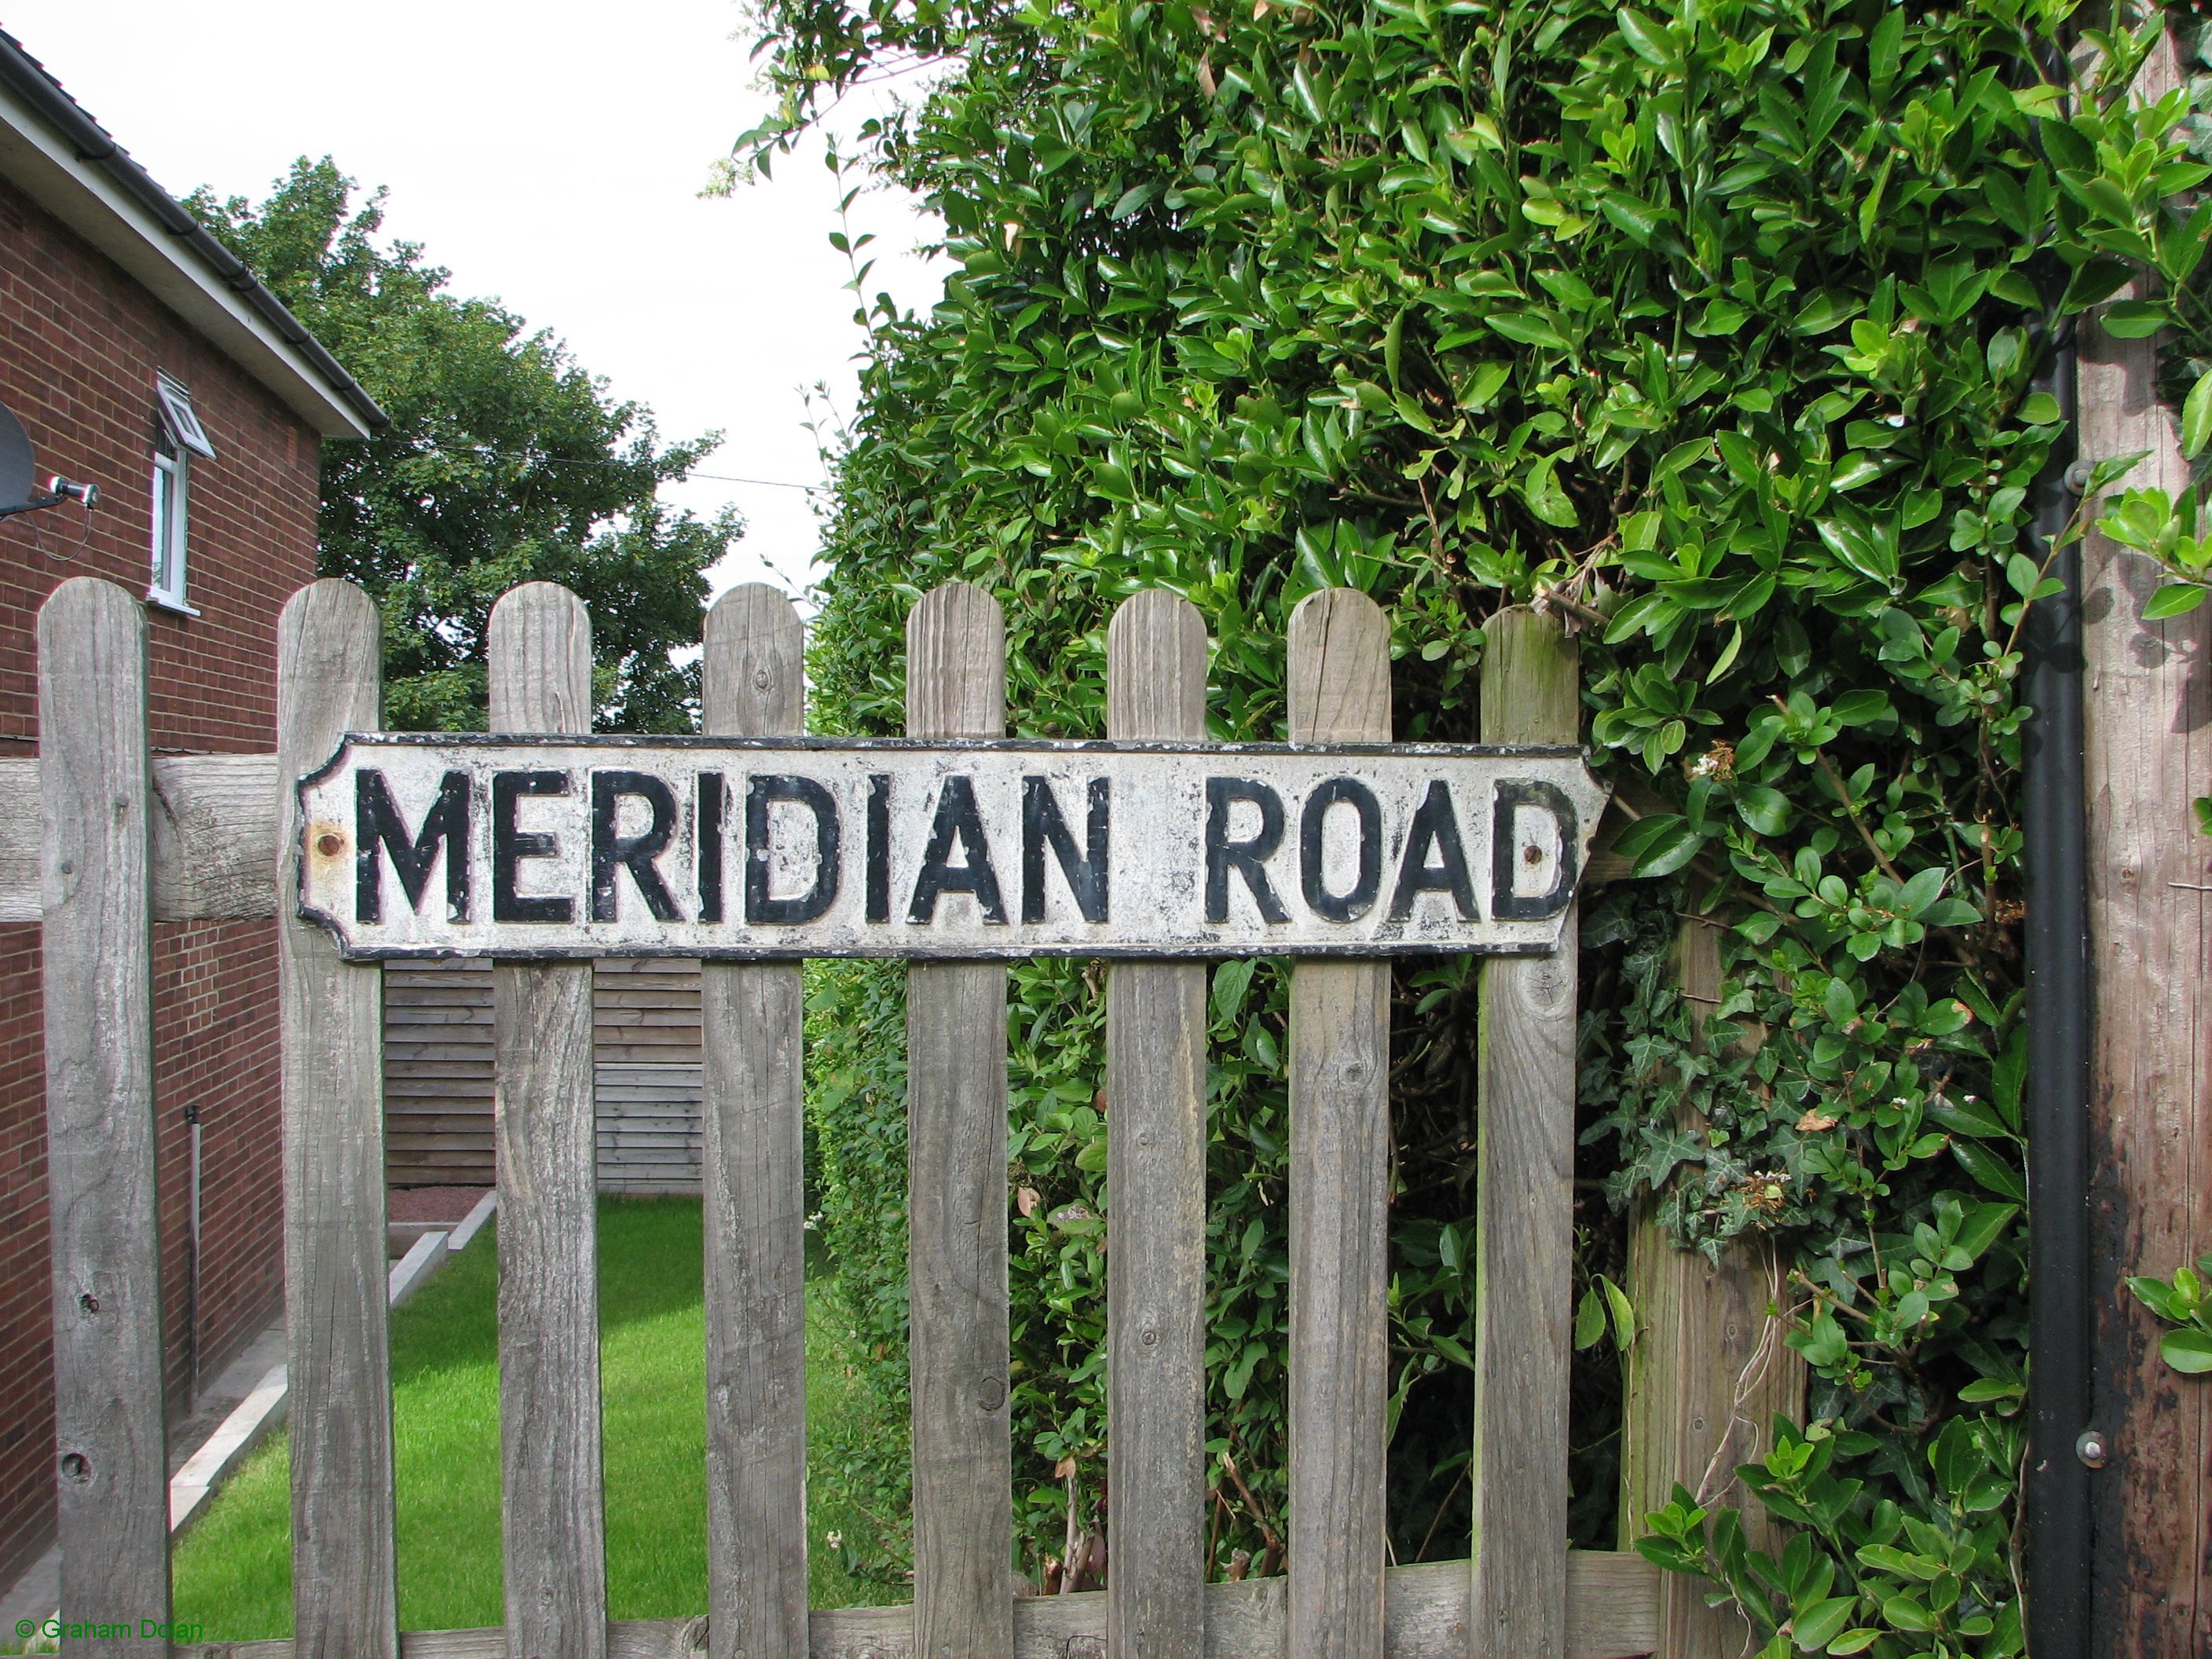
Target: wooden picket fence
point(125, 840)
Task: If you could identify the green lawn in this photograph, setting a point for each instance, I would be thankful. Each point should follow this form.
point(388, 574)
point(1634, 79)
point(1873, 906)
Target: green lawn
point(233, 1565)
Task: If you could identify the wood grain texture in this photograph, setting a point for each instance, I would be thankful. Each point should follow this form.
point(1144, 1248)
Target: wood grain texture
point(94, 805)
point(549, 1299)
point(1524, 1208)
point(438, 1053)
point(1707, 1373)
point(2147, 753)
point(1612, 1613)
point(1339, 688)
point(214, 838)
point(329, 681)
point(957, 1198)
point(1156, 1202)
point(754, 685)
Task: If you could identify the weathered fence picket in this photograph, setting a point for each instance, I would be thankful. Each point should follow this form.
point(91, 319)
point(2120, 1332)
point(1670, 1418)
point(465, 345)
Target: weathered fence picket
point(1156, 1202)
point(1524, 1209)
point(956, 1094)
point(548, 1259)
point(105, 873)
point(344, 1605)
point(1709, 1369)
point(751, 1019)
point(97, 981)
point(1340, 1071)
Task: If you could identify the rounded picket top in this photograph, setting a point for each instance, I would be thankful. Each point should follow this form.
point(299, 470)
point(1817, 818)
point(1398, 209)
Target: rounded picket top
point(330, 633)
point(1531, 678)
point(1156, 667)
point(753, 678)
point(90, 627)
point(89, 598)
point(540, 654)
point(1338, 687)
point(92, 731)
point(956, 664)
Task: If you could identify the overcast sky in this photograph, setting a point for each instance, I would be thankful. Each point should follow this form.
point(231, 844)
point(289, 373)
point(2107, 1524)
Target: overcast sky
point(550, 155)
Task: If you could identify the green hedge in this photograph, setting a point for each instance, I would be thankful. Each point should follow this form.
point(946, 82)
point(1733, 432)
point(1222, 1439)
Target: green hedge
point(1715, 324)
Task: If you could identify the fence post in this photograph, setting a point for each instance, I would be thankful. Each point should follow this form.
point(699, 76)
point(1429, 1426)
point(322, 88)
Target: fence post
point(1338, 690)
point(1707, 1373)
point(97, 985)
point(338, 1372)
point(752, 1032)
point(2147, 748)
point(956, 643)
point(548, 1293)
point(1156, 1202)
point(1524, 1209)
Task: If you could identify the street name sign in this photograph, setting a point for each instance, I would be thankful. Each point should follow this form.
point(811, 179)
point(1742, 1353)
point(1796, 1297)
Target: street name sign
point(438, 845)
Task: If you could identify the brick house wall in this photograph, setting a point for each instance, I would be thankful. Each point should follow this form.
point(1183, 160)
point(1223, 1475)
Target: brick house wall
point(80, 344)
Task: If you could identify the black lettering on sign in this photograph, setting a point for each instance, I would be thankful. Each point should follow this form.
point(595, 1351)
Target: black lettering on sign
point(760, 906)
point(1506, 851)
point(1244, 857)
point(1356, 901)
point(957, 819)
point(379, 821)
point(1435, 826)
point(879, 847)
point(1042, 825)
point(713, 796)
point(510, 846)
point(634, 854)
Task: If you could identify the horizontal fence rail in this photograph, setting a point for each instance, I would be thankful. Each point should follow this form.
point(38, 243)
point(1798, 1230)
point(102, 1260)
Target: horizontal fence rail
point(1612, 1613)
point(113, 870)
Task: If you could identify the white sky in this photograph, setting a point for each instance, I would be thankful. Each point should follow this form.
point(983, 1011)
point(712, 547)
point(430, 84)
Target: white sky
point(549, 154)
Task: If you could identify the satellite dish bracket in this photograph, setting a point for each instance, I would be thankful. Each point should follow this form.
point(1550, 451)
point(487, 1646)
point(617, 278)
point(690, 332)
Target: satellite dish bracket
point(33, 505)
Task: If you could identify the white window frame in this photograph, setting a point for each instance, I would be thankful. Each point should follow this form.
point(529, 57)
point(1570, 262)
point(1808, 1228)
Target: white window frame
point(177, 437)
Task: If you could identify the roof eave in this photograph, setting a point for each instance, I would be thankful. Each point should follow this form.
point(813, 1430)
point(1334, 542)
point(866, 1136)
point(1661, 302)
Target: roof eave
point(106, 200)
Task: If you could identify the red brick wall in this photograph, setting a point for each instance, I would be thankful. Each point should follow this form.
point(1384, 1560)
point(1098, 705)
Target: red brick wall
point(27, 1415)
point(80, 343)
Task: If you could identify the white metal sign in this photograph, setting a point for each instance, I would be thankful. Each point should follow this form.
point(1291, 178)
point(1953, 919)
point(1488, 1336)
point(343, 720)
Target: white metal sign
point(436, 845)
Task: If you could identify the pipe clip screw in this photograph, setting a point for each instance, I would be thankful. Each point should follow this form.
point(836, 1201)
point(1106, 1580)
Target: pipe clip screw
point(2090, 1448)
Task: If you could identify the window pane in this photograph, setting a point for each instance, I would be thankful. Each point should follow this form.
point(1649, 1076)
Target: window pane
point(161, 500)
point(181, 419)
point(169, 527)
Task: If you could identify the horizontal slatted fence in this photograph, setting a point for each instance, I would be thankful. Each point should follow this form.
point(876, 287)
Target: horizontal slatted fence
point(646, 1074)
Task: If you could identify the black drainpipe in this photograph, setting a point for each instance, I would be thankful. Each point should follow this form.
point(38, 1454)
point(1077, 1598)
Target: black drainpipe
point(2056, 1102)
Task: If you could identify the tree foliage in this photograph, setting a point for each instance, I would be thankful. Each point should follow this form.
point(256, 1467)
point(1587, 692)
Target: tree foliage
point(505, 462)
point(1716, 326)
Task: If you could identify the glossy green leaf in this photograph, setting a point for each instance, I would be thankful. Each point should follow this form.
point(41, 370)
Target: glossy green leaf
point(2174, 599)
